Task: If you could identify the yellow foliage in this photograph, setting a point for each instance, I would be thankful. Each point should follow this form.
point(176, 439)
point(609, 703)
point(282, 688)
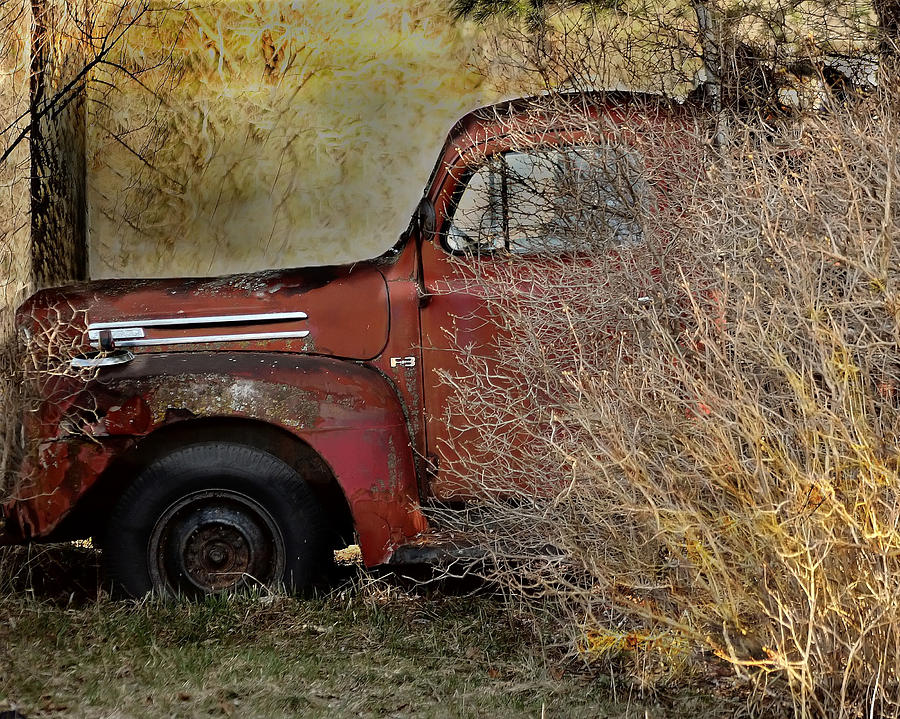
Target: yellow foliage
point(668, 647)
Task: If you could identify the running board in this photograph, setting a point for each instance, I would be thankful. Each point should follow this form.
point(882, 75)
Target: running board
point(436, 551)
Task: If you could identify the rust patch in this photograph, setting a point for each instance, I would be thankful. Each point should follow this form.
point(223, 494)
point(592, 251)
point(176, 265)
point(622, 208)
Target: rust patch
point(346, 412)
point(215, 395)
point(55, 475)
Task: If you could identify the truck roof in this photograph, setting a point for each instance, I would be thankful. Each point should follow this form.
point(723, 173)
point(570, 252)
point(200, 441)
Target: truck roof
point(587, 102)
point(496, 119)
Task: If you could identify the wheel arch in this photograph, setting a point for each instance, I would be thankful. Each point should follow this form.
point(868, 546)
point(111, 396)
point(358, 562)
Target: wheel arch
point(99, 500)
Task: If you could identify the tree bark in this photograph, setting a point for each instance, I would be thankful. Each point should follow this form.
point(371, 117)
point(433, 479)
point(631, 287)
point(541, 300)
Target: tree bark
point(58, 149)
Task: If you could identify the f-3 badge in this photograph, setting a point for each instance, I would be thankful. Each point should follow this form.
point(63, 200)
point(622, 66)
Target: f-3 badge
point(403, 361)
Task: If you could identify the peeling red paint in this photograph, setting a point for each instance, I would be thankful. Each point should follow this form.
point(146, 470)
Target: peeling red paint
point(54, 477)
point(132, 417)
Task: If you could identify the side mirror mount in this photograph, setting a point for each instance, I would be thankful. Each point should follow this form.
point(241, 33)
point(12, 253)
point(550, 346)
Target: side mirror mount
point(425, 219)
point(425, 224)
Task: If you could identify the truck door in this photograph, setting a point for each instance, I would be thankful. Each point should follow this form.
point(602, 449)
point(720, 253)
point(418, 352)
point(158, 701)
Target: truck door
point(503, 222)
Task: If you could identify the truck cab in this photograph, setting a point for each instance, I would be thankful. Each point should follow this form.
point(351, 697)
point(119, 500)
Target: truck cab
point(211, 433)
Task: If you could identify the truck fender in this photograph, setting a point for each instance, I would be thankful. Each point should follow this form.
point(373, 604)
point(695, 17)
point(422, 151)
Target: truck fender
point(345, 411)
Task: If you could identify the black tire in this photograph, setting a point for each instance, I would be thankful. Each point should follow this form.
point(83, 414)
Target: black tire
point(215, 517)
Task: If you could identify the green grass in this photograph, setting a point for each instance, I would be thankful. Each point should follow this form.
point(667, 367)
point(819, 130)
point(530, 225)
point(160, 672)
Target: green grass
point(366, 649)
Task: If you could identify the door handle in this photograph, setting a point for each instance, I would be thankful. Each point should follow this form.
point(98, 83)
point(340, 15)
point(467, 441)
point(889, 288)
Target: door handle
point(102, 359)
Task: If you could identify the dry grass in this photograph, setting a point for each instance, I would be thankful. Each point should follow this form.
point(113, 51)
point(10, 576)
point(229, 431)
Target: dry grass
point(370, 648)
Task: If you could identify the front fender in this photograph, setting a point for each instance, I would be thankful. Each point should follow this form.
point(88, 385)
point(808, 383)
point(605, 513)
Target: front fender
point(348, 413)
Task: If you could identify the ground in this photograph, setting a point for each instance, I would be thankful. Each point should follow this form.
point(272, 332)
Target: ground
point(368, 647)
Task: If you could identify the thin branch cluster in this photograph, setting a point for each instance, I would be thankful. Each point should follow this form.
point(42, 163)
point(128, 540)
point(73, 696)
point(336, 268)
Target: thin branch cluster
point(687, 424)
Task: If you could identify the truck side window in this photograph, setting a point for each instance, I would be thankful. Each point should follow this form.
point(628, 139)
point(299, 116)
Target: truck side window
point(478, 217)
point(550, 200)
point(534, 185)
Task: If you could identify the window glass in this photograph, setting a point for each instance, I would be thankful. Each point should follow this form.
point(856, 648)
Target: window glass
point(532, 185)
point(478, 219)
point(610, 193)
point(549, 200)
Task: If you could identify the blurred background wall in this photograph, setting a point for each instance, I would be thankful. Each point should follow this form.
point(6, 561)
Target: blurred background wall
point(271, 134)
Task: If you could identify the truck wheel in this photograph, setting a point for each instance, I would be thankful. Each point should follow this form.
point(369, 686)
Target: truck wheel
point(215, 517)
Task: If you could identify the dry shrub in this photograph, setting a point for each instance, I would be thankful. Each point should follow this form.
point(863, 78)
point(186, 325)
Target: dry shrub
point(693, 436)
point(649, 47)
point(745, 54)
point(37, 373)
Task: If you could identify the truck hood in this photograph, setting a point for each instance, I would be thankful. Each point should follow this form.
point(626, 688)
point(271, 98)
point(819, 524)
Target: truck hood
point(337, 311)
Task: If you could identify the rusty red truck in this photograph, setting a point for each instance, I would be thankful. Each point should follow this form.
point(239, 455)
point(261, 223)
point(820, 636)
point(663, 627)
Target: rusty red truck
point(221, 431)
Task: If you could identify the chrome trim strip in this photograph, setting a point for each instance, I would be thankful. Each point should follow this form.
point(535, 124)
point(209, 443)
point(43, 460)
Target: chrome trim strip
point(211, 338)
point(126, 333)
point(216, 320)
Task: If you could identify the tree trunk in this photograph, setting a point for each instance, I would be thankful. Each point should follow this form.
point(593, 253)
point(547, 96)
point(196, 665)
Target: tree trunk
point(57, 144)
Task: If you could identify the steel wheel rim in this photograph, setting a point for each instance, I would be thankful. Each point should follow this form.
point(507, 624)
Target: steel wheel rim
point(215, 541)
